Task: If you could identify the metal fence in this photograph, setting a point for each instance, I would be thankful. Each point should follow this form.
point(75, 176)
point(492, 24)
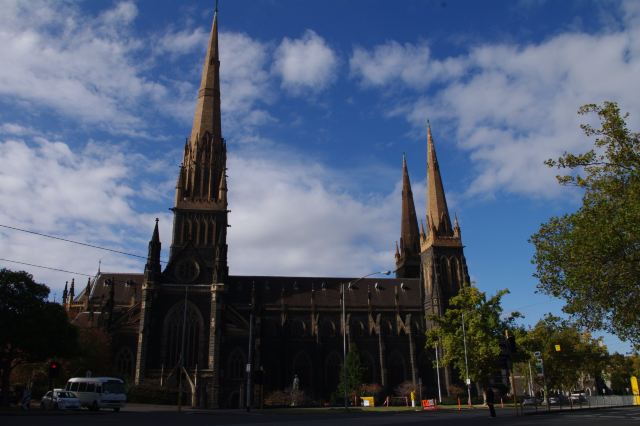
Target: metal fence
point(598, 401)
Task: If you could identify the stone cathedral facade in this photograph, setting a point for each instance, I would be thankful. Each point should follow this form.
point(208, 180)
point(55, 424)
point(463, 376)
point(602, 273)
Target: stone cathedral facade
point(193, 306)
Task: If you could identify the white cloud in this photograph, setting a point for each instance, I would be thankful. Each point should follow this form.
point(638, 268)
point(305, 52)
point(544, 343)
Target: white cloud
point(244, 79)
point(309, 222)
point(307, 63)
point(512, 106)
point(409, 64)
point(83, 195)
point(79, 66)
point(177, 43)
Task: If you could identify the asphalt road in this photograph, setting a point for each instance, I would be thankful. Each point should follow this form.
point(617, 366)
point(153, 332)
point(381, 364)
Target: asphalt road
point(154, 416)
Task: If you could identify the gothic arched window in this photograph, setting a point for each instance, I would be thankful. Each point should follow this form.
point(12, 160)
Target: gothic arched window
point(124, 362)
point(176, 331)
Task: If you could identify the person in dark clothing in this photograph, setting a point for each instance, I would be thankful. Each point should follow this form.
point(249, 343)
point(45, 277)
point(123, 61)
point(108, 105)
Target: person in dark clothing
point(490, 401)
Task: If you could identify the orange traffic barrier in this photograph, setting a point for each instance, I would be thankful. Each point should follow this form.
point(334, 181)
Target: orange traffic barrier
point(429, 404)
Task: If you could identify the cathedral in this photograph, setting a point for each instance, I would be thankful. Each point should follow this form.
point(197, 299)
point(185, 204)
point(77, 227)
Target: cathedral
point(193, 319)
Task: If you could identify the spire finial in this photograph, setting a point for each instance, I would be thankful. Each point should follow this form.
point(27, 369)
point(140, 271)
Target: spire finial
point(216, 9)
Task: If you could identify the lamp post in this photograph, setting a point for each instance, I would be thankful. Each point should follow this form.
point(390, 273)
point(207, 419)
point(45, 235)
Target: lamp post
point(344, 330)
point(438, 374)
point(466, 362)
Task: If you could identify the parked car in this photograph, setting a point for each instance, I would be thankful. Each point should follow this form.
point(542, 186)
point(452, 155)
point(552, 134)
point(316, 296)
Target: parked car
point(531, 401)
point(557, 400)
point(59, 399)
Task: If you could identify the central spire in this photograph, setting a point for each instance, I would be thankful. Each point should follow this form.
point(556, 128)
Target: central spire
point(204, 163)
point(437, 211)
point(207, 114)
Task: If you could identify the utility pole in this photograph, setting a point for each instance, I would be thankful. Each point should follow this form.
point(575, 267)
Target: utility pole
point(250, 351)
point(510, 370)
point(344, 347)
point(438, 374)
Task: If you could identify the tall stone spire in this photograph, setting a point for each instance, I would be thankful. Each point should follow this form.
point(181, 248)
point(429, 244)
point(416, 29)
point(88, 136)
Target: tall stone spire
point(205, 151)
point(207, 114)
point(437, 211)
point(200, 223)
point(407, 257)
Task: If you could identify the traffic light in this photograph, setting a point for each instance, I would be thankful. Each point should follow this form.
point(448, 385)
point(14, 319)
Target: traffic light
point(54, 369)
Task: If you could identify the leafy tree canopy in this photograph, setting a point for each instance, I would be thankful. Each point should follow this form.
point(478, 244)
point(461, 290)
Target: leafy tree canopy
point(33, 329)
point(591, 258)
point(580, 359)
point(484, 330)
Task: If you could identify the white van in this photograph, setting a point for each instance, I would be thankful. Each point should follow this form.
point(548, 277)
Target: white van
point(98, 392)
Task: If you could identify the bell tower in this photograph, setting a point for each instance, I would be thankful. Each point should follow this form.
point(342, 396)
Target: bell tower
point(444, 267)
point(180, 307)
point(199, 243)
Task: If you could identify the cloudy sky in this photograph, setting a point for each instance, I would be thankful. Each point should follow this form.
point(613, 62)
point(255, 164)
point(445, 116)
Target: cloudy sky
point(320, 100)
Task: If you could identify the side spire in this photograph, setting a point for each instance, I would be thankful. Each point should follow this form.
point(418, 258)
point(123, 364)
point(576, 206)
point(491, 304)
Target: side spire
point(72, 290)
point(409, 234)
point(65, 293)
point(152, 268)
point(437, 211)
point(207, 114)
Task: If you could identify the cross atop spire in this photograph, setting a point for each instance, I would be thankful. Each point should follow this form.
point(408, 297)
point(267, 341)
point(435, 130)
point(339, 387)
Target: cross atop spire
point(437, 211)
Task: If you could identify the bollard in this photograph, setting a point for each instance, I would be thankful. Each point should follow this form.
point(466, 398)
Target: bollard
point(459, 405)
point(501, 403)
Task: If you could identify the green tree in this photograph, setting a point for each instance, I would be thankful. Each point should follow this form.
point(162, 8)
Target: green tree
point(484, 330)
point(33, 329)
point(619, 371)
point(591, 258)
point(578, 361)
point(355, 373)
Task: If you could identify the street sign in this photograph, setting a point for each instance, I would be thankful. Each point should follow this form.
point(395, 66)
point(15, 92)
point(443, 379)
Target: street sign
point(249, 368)
point(537, 354)
point(557, 348)
point(468, 381)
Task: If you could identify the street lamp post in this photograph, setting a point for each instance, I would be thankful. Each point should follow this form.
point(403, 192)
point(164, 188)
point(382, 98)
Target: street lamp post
point(344, 330)
point(466, 362)
point(438, 374)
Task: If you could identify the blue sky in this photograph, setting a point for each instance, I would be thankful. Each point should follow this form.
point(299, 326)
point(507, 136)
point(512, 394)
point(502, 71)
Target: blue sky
point(320, 100)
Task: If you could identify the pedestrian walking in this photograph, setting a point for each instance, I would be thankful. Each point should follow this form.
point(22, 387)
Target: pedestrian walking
point(25, 401)
point(490, 401)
